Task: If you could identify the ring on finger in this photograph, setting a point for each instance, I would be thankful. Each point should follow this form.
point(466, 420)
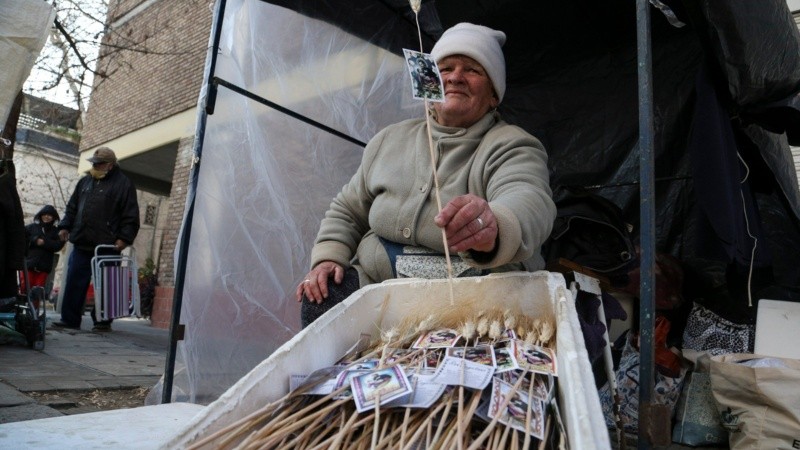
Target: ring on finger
point(306, 281)
point(480, 222)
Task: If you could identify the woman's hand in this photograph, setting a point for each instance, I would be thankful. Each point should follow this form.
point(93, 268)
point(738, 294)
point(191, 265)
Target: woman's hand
point(315, 284)
point(469, 224)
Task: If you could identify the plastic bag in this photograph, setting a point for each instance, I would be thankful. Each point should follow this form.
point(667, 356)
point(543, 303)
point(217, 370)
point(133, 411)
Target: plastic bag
point(696, 418)
point(760, 406)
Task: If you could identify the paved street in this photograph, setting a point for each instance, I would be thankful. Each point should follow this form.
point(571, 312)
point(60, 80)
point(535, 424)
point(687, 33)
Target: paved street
point(133, 355)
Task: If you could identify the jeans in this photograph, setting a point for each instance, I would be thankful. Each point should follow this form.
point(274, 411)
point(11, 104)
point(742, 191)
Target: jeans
point(79, 275)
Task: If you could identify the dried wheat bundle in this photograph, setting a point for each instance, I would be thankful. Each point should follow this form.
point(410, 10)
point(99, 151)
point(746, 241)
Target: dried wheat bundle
point(513, 410)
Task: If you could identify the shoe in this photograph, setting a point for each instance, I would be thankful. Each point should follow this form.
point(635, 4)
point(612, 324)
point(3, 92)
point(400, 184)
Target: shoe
point(60, 324)
point(101, 328)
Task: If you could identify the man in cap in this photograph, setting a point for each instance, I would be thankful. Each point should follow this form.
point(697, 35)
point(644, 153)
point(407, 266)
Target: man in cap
point(103, 210)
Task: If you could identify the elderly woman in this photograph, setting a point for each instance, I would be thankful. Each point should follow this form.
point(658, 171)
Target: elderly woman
point(493, 181)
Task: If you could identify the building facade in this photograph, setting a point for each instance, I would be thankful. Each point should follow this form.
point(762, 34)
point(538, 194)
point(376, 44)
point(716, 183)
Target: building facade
point(145, 110)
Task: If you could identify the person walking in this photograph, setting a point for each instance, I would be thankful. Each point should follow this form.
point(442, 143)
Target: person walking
point(43, 243)
point(103, 210)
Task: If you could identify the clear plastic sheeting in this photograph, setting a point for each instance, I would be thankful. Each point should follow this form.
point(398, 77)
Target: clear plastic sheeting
point(24, 25)
point(266, 180)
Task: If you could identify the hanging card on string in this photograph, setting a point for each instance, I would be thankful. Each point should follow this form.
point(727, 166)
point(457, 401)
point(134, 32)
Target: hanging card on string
point(426, 81)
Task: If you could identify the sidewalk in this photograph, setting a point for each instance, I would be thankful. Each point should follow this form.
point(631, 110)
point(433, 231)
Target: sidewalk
point(131, 356)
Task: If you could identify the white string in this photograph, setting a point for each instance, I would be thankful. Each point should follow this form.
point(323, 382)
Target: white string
point(747, 226)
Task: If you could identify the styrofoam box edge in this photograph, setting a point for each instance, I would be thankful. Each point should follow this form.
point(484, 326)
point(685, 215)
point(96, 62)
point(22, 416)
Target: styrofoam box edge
point(380, 306)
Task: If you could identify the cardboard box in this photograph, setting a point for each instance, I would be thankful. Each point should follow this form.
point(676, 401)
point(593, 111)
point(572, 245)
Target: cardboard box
point(379, 307)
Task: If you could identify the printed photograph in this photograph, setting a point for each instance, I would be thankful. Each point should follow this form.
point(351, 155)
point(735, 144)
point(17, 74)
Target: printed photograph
point(426, 81)
point(504, 359)
point(481, 354)
point(535, 358)
point(442, 338)
point(515, 412)
point(379, 387)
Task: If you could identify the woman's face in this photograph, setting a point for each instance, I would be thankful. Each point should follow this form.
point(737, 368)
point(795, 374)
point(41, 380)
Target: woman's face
point(468, 92)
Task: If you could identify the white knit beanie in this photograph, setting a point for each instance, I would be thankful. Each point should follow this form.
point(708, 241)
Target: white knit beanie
point(479, 43)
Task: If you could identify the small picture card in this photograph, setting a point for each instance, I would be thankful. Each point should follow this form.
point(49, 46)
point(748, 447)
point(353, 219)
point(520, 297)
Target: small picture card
point(504, 359)
point(379, 387)
point(424, 391)
point(344, 380)
point(509, 333)
point(426, 81)
point(543, 384)
point(535, 358)
point(458, 371)
point(442, 338)
point(481, 354)
point(432, 358)
point(516, 409)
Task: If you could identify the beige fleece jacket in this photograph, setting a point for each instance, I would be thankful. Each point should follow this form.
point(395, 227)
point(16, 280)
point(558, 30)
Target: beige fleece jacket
point(392, 195)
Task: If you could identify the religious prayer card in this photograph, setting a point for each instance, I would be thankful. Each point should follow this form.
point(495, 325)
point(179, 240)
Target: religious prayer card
point(515, 413)
point(379, 386)
point(441, 338)
point(426, 81)
point(535, 358)
point(481, 354)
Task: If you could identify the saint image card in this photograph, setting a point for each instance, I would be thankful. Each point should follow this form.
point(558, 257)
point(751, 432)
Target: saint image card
point(426, 81)
point(432, 358)
point(344, 380)
point(481, 354)
point(504, 359)
point(543, 384)
point(535, 358)
point(515, 413)
point(442, 338)
point(379, 387)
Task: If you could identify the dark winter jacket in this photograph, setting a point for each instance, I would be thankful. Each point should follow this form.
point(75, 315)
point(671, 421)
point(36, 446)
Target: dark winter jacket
point(40, 257)
point(102, 211)
point(12, 230)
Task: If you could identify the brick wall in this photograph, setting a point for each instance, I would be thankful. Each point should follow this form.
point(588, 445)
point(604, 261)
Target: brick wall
point(162, 303)
point(177, 199)
point(160, 80)
point(118, 8)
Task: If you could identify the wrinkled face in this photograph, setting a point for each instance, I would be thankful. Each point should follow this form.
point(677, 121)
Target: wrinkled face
point(468, 92)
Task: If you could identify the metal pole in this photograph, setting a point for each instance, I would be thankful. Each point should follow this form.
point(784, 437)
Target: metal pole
point(647, 219)
point(175, 329)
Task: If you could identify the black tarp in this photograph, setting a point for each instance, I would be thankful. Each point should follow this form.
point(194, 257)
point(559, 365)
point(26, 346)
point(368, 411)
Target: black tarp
point(572, 77)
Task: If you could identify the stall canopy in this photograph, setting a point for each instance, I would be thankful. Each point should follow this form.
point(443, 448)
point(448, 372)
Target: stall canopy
point(725, 77)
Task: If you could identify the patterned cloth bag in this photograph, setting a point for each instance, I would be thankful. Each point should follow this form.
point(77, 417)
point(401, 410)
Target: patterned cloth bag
point(708, 332)
point(665, 392)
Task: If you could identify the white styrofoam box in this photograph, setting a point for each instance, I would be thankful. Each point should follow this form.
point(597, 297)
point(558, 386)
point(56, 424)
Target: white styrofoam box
point(380, 306)
point(142, 428)
point(777, 323)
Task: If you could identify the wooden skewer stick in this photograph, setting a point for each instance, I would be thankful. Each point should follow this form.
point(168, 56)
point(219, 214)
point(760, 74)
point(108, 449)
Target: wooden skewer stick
point(439, 204)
